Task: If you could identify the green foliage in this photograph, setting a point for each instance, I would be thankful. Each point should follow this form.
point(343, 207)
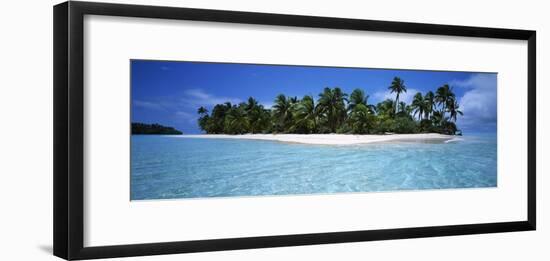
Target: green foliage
point(282, 113)
point(448, 127)
point(332, 107)
point(453, 109)
point(259, 119)
point(236, 120)
point(419, 105)
point(361, 120)
point(426, 125)
point(305, 116)
point(216, 122)
point(429, 99)
point(336, 112)
point(385, 108)
point(405, 125)
point(204, 118)
point(444, 96)
point(383, 124)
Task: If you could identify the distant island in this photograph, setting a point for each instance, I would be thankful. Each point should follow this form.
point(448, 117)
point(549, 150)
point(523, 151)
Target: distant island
point(143, 128)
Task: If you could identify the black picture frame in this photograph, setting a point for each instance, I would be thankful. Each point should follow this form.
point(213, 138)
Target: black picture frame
point(69, 118)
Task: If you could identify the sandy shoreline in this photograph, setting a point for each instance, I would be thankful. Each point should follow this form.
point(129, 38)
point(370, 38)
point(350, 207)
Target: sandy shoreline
point(331, 139)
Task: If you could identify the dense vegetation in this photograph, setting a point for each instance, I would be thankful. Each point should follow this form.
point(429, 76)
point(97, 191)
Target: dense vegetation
point(337, 112)
point(142, 128)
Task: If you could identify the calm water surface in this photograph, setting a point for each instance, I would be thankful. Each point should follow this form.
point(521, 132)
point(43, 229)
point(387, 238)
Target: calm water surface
point(165, 167)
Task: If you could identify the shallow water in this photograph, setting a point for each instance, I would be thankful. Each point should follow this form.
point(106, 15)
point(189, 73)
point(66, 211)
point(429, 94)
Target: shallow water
point(165, 167)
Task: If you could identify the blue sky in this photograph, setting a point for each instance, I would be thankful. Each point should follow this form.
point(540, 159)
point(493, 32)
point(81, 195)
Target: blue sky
point(169, 93)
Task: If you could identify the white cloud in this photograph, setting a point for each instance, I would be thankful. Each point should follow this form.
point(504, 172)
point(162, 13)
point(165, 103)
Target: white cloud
point(267, 104)
point(185, 107)
point(187, 116)
point(192, 99)
point(148, 105)
point(479, 102)
point(198, 97)
point(485, 81)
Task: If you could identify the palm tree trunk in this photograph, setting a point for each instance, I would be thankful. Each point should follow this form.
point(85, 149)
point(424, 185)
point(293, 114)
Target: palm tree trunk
point(396, 104)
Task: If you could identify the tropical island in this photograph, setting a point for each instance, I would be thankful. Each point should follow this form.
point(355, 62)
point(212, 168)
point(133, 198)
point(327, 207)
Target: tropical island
point(143, 128)
point(336, 112)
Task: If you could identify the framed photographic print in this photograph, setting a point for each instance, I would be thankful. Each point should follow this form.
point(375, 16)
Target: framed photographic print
point(183, 130)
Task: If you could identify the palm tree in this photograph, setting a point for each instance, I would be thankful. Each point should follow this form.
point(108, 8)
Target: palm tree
point(357, 97)
point(262, 122)
point(401, 107)
point(361, 119)
point(236, 121)
point(386, 108)
point(282, 112)
point(202, 111)
point(256, 115)
point(251, 104)
point(437, 118)
point(442, 96)
point(419, 105)
point(397, 86)
point(430, 103)
point(306, 115)
point(204, 119)
point(332, 106)
point(454, 109)
point(404, 109)
point(217, 117)
point(340, 104)
point(293, 100)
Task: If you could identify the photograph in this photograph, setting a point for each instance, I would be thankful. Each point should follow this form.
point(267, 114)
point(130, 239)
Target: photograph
point(207, 129)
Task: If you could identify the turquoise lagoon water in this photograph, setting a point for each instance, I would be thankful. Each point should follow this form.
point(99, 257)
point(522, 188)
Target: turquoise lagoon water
point(166, 167)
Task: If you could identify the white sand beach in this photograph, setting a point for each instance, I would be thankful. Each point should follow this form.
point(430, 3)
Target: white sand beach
point(331, 139)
